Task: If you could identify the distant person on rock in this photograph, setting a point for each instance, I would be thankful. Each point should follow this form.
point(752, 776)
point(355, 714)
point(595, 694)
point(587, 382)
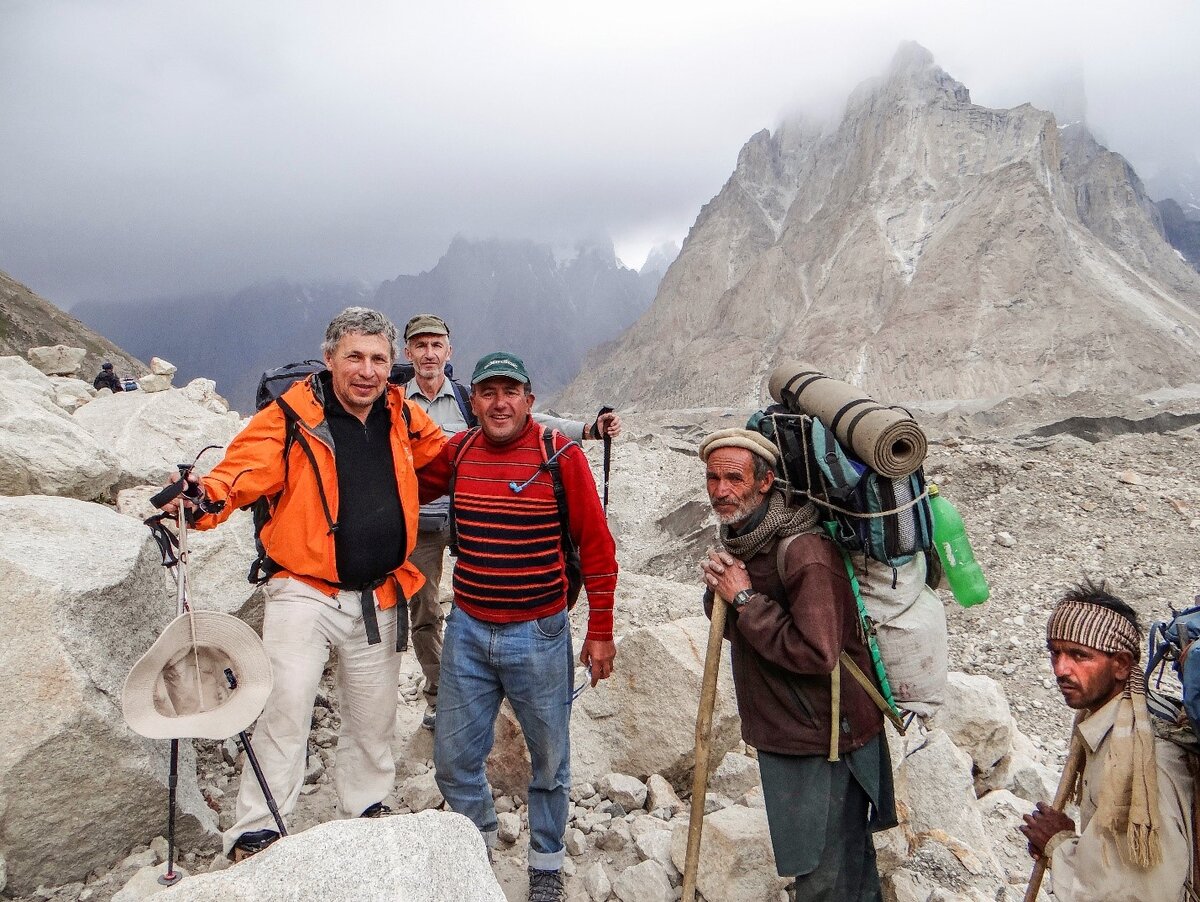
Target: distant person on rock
point(344, 522)
point(508, 635)
point(1134, 790)
point(822, 754)
point(106, 378)
point(427, 347)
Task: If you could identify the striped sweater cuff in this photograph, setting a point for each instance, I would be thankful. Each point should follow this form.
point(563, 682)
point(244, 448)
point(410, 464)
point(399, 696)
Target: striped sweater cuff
point(600, 617)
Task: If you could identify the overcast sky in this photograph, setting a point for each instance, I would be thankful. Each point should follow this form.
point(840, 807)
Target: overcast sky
point(155, 147)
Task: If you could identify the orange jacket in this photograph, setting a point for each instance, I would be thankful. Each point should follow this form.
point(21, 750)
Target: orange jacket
point(297, 536)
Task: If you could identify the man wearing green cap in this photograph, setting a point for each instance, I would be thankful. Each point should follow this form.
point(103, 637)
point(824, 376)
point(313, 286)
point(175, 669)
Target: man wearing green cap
point(427, 347)
point(508, 634)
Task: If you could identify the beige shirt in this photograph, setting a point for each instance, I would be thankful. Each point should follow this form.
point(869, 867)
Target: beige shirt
point(1088, 867)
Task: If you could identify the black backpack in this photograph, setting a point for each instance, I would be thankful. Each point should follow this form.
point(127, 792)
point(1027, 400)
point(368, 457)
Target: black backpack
point(271, 387)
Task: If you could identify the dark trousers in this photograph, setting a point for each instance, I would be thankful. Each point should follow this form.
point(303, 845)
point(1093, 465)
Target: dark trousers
point(819, 815)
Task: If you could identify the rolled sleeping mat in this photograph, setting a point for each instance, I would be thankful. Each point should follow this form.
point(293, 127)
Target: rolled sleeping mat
point(886, 439)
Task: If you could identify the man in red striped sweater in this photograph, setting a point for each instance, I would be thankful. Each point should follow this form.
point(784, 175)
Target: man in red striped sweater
point(508, 634)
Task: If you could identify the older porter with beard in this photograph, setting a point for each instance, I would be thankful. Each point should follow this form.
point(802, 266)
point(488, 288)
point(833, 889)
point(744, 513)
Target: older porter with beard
point(793, 618)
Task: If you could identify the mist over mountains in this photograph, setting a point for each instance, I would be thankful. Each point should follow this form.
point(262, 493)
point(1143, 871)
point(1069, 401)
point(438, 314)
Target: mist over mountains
point(516, 295)
point(924, 246)
point(520, 296)
point(230, 339)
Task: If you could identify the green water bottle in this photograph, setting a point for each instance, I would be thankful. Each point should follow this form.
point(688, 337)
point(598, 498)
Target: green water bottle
point(954, 548)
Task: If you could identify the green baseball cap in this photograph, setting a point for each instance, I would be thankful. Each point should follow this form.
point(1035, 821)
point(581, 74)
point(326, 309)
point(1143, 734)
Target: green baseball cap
point(500, 363)
point(426, 324)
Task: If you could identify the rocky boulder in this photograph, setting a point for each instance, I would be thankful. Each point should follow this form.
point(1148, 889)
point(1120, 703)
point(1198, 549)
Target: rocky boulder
point(154, 382)
point(71, 394)
point(204, 393)
point(641, 720)
point(433, 856)
point(976, 717)
point(151, 432)
point(736, 861)
point(42, 449)
point(81, 599)
point(160, 367)
point(58, 360)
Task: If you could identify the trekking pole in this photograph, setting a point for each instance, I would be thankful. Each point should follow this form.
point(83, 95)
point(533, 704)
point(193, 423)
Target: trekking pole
point(708, 697)
point(607, 453)
point(244, 736)
point(170, 876)
point(1065, 783)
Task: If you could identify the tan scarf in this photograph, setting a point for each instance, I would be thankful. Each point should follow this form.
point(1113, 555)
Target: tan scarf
point(1127, 806)
point(779, 520)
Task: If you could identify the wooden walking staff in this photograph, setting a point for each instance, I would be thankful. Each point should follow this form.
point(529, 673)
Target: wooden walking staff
point(1065, 784)
point(708, 697)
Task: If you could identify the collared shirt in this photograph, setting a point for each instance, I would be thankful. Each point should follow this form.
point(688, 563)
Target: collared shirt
point(1088, 867)
point(443, 409)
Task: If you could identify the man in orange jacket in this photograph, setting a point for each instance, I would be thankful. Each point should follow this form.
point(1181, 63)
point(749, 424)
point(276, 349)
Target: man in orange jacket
point(344, 522)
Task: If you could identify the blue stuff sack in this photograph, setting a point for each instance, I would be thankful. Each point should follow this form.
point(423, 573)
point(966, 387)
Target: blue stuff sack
point(886, 519)
point(1174, 640)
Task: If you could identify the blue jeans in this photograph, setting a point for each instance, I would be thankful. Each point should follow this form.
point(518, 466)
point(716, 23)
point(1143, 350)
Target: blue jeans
point(530, 663)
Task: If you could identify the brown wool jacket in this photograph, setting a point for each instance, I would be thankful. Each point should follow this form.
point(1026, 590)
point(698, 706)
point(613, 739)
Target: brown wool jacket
point(785, 643)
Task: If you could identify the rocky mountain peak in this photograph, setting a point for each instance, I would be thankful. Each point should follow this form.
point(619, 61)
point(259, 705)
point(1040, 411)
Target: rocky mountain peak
point(912, 79)
point(925, 246)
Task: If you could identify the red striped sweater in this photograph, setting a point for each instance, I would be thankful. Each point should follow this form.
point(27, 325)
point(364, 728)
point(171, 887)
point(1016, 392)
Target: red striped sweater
point(510, 560)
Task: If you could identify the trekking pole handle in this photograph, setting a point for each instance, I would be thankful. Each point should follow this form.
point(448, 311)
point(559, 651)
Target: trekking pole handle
point(169, 494)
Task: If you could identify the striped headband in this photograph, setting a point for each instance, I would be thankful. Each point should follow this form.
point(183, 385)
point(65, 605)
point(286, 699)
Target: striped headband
point(1095, 626)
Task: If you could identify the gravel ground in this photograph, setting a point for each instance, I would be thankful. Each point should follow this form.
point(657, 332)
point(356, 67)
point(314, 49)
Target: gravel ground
point(1043, 512)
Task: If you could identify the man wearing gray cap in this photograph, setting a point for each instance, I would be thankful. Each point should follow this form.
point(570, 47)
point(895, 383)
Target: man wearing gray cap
point(427, 347)
point(796, 639)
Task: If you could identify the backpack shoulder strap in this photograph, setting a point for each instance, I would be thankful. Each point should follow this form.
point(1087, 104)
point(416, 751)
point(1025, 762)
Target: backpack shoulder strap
point(294, 433)
point(883, 700)
point(407, 414)
point(464, 446)
point(781, 554)
point(550, 462)
point(462, 396)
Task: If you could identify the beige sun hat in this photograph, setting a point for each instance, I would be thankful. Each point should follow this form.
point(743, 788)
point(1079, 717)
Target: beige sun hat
point(178, 690)
point(754, 442)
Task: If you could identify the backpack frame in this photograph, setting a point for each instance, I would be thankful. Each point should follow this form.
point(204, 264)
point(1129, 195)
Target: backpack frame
point(887, 519)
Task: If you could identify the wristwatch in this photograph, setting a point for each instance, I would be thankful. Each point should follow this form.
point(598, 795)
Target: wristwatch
point(739, 600)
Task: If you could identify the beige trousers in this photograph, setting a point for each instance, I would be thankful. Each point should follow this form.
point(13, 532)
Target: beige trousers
point(300, 625)
point(425, 610)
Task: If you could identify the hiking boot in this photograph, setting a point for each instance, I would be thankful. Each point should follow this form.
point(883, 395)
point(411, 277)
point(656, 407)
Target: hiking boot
point(429, 718)
point(545, 886)
point(251, 844)
point(377, 810)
